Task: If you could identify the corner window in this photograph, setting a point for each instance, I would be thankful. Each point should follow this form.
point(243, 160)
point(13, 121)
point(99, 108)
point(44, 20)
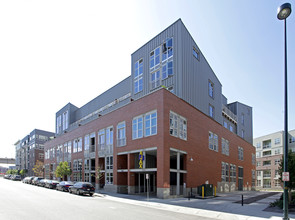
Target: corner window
point(155, 58)
point(178, 126)
point(167, 49)
point(138, 76)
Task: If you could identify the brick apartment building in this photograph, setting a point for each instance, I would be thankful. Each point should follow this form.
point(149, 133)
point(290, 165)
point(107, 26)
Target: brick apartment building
point(168, 122)
point(269, 153)
point(30, 149)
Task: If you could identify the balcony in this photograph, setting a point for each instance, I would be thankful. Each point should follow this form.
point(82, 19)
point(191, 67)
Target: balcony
point(121, 142)
point(229, 114)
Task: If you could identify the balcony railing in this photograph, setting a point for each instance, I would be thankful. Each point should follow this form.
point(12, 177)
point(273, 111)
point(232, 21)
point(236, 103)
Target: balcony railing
point(229, 114)
point(121, 142)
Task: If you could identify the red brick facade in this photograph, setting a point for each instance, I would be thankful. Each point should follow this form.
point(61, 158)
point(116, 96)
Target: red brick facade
point(198, 163)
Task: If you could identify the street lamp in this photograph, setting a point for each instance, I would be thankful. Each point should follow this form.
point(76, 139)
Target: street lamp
point(283, 12)
point(80, 167)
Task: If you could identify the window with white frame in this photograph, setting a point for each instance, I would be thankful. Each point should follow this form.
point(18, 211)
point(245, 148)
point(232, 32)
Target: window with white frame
point(109, 178)
point(167, 49)
point(167, 69)
point(213, 141)
point(233, 173)
point(241, 153)
point(277, 161)
point(86, 177)
point(211, 89)
point(65, 120)
point(121, 134)
point(178, 126)
point(79, 144)
point(86, 164)
point(109, 163)
point(69, 147)
point(150, 121)
point(138, 76)
point(101, 139)
point(155, 79)
point(277, 151)
point(224, 172)
point(258, 145)
point(225, 146)
point(137, 127)
point(277, 140)
point(155, 59)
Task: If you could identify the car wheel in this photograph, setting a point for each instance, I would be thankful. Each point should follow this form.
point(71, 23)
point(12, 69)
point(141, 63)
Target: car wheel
point(91, 194)
point(70, 191)
point(78, 192)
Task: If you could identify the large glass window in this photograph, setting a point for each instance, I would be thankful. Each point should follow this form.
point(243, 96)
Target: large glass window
point(65, 120)
point(137, 127)
point(178, 126)
point(138, 76)
point(167, 69)
point(211, 111)
point(150, 124)
point(155, 58)
point(167, 49)
point(225, 146)
point(58, 124)
point(121, 134)
point(233, 173)
point(155, 79)
point(86, 142)
point(224, 172)
point(213, 141)
point(109, 163)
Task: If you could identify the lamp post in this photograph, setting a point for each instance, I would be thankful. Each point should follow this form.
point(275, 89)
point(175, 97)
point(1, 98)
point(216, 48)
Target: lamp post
point(80, 167)
point(283, 12)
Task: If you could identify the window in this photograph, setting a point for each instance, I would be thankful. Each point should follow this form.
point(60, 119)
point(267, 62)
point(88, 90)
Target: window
point(259, 172)
point(253, 159)
point(121, 134)
point(109, 136)
point(167, 49)
point(150, 124)
point(109, 178)
point(167, 69)
point(101, 139)
point(241, 153)
point(86, 164)
point(243, 119)
point(233, 173)
point(86, 177)
point(211, 111)
point(266, 153)
point(211, 89)
point(137, 127)
point(258, 145)
point(41, 156)
point(213, 141)
point(267, 163)
point(155, 79)
point(267, 173)
point(196, 53)
point(138, 79)
point(58, 124)
point(258, 154)
point(258, 163)
point(277, 161)
point(292, 139)
point(231, 128)
point(277, 183)
point(258, 183)
point(77, 147)
point(225, 124)
point(79, 144)
point(277, 151)
point(155, 58)
point(225, 146)
point(69, 147)
point(224, 172)
point(243, 134)
point(178, 126)
point(109, 163)
point(277, 140)
point(86, 142)
point(65, 120)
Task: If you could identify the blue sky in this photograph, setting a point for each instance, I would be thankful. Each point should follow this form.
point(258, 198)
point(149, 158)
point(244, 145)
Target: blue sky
point(55, 52)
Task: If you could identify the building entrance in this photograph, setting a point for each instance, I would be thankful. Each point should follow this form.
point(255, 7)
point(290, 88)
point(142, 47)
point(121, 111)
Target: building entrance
point(145, 182)
point(240, 179)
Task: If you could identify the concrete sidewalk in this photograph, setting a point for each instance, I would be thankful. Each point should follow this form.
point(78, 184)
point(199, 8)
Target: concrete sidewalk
point(224, 206)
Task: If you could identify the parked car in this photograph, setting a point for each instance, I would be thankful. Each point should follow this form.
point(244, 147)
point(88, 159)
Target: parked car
point(36, 180)
point(42, 182)
point(7, 176)
point(64, 185)
point(82, 188)
point(51, 184)
point(16, 178)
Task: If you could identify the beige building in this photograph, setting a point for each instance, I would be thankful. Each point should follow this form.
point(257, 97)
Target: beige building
point(269, 152)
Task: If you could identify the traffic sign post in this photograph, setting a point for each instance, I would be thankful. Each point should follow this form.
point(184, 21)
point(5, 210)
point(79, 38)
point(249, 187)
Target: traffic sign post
point(286, 177)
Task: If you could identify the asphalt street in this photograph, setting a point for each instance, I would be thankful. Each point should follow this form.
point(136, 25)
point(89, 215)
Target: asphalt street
point(22, 201)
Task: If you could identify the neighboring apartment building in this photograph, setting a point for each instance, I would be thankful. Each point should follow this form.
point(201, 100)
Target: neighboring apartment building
point(269, 152)
point(167, 120)
point(31, 149)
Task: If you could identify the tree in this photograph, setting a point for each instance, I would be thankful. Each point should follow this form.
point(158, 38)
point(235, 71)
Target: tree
point(38, 168)
point(12, 172)
point(63, 169)
point(291, 170)
point(99, 175)
point(23, 172)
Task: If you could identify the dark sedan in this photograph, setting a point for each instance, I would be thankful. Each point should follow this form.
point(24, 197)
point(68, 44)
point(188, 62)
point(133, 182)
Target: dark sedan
point(64, 185)
point(51, 184)
point(82, 188)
